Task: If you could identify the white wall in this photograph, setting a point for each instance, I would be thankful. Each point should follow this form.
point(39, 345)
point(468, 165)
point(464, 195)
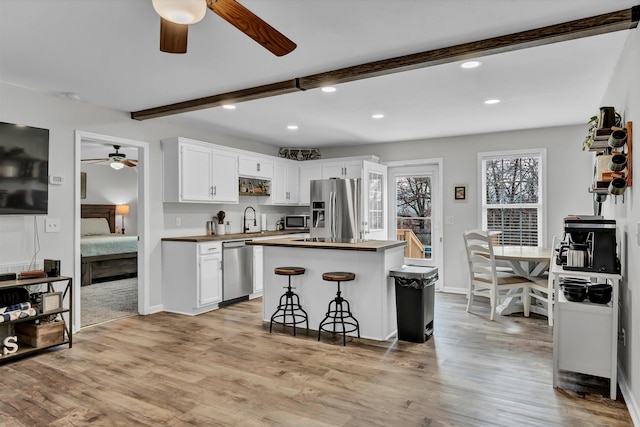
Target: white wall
point(624, 94)
point(106, 185)
point(63, 117)
point(569, 171)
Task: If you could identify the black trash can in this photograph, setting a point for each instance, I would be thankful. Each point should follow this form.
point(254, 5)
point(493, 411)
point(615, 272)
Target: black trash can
point(415, 293)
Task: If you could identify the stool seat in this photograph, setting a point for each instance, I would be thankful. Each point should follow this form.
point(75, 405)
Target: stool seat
point(338, 276)
point(288, 271)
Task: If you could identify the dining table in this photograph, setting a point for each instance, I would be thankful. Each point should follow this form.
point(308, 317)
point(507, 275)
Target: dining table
point(525, 261)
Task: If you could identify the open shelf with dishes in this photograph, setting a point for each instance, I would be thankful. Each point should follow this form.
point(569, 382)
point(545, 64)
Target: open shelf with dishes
point(254, 187)
point(613, 160)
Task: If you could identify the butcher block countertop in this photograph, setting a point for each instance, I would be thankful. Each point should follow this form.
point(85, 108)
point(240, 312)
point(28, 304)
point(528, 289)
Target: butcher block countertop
point(349, 245)
point(234, 236)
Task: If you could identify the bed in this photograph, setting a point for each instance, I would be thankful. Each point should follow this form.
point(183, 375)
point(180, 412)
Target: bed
point(104, 254)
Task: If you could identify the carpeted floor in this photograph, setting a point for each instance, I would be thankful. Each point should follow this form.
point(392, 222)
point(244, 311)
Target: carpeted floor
point(106, 301)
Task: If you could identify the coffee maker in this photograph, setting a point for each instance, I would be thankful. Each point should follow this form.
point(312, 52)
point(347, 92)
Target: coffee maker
point(589, 244)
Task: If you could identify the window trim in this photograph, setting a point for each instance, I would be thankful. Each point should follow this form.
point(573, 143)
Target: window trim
point(492, 155)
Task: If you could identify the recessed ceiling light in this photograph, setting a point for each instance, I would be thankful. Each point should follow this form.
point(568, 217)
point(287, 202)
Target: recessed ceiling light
point(377, 116)
point(470, 64)
point(292, 127)
point(328, 89)
point(229, 107)
point(491, 101)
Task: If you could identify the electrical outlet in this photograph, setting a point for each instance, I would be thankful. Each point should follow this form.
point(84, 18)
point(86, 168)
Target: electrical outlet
point(178, 221)
point(52, 225)
point(448, 220)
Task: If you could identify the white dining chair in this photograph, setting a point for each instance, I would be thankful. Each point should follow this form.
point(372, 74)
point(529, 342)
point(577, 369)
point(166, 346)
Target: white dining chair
point(542, 289)
point(486, 280)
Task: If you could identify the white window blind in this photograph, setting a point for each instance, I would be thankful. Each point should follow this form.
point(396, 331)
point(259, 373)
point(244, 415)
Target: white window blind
point(512, 199)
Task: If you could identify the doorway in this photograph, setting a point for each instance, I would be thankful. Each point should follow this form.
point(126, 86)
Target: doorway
point(133, 286)
point(415, 211)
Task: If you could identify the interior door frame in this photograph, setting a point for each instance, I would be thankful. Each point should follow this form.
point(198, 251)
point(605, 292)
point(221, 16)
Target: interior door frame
point(437, 214)
point(143, 225)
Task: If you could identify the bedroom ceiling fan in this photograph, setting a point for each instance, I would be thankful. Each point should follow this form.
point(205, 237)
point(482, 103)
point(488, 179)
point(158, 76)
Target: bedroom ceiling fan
point(177, 15)
point(116, 160)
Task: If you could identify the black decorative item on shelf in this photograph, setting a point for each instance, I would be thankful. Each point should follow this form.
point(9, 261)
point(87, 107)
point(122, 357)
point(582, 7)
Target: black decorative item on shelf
point(299, 153)
point(600, 293)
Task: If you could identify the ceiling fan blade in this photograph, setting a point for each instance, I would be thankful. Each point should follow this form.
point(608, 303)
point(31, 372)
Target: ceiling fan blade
point(95, 160)
point(173, 37)
point(250, 24)
point(130, 163)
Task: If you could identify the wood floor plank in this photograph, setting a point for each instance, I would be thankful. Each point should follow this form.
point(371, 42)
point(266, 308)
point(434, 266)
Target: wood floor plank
point(224, 368)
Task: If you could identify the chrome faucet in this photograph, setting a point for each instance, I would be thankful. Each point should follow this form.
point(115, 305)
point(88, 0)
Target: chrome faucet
point(244, 220)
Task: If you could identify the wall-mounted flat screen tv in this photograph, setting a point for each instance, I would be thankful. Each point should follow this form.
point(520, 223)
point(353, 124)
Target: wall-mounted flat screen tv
point(24, 170)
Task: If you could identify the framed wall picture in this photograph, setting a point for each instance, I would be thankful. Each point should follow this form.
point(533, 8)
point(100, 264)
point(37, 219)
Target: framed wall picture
point(51, 301)
point(460, 192)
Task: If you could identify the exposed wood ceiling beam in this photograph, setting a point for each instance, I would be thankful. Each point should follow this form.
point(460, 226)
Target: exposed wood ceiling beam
point(257, 92)
point(586, 27)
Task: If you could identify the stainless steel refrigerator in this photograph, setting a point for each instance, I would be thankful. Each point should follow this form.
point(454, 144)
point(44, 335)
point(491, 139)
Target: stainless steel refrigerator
point(336, 212)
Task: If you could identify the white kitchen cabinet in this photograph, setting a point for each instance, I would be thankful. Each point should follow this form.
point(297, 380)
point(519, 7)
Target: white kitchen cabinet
point(255, 167)
point(340, 169)
point(258, 274)
point(191, 276)
point(195, 172)
point(285, 184)
point(308, 173)
point(585, 335)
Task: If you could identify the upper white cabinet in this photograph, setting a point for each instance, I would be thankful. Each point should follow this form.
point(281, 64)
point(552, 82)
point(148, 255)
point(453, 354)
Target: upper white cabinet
point(196, 172)
point(286, 183)
point(340, 169)
point(308, 173)
point(257, 167)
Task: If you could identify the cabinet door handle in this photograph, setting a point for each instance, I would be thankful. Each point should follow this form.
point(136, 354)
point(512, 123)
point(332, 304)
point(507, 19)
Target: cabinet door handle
point(211, 190)
point(215, 191)
point(258, 167)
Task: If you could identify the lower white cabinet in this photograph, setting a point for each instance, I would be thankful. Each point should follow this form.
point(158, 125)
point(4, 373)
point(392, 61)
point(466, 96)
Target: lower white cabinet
point(258, 274)
point(192, 276)
point(585, 335)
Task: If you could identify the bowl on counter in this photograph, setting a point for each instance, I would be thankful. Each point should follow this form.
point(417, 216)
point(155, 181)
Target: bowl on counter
point(600, 293)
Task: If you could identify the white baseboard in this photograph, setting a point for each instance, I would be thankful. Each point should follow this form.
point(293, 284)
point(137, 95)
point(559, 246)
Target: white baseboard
point(156, 309)
point(629, 398)
point(455, 290)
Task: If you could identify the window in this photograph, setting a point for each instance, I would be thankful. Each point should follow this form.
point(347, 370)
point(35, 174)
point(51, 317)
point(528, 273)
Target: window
point(512, 196)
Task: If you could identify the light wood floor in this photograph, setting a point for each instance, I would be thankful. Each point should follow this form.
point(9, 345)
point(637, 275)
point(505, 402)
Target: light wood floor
point(223, 368)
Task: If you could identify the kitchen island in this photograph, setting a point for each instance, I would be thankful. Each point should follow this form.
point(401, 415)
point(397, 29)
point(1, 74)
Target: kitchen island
point(371, 294)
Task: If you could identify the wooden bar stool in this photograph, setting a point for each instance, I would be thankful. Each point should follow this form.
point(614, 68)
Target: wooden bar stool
point(289, 305)
point(336, 313)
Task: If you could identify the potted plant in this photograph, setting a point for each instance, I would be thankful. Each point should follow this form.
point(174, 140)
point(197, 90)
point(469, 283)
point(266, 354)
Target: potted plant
point(588, 140)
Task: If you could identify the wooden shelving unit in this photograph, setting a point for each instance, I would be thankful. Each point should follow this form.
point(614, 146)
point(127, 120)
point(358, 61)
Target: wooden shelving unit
point(602, 174)
point(53, 284)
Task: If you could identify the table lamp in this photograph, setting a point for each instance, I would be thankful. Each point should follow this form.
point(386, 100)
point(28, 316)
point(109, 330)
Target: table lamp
point(122, 210)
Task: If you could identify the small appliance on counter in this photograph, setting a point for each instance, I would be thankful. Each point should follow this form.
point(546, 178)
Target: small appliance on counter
point(296, 222)
point(589, 244)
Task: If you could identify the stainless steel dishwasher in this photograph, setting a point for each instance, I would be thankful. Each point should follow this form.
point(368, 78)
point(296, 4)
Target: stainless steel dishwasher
point(237, 271)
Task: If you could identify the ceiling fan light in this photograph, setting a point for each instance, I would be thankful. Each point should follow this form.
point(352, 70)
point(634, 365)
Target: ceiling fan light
point(181, 11)
point(116, 165)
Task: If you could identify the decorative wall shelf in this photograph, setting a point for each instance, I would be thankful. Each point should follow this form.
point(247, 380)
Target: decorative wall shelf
point(603, 175)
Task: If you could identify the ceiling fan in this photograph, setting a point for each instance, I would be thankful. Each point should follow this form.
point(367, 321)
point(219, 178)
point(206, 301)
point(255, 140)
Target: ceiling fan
point(116, 160)
point(176, 15)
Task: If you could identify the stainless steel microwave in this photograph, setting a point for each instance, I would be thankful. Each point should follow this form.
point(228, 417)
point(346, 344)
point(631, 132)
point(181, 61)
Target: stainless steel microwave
point(296, 222)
